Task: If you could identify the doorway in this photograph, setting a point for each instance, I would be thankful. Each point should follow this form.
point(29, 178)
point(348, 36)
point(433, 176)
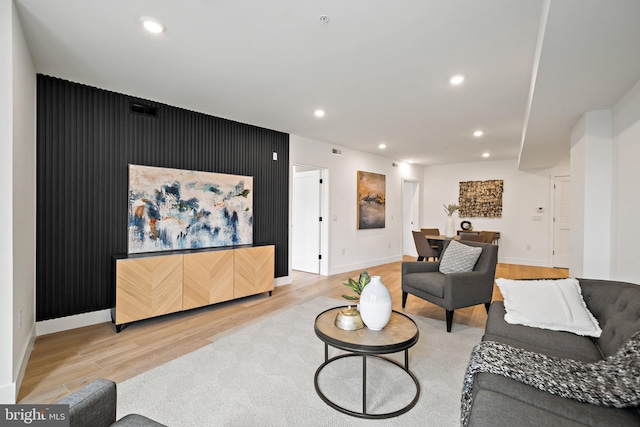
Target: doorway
point(307, 225)
point(410, 215)
point(561, 220)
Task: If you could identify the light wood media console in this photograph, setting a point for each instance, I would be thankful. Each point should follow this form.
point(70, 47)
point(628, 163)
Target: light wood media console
point(150, 285)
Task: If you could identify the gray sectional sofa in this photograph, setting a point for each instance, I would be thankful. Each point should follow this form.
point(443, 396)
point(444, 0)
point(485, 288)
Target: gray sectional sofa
point(94, 405)
point(500, 401)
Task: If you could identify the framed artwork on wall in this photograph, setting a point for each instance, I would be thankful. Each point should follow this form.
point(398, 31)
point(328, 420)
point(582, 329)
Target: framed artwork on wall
point(371, 200)
point(173, 209)
point(481, 199)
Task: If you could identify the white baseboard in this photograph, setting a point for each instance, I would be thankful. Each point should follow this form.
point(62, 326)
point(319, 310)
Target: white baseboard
point(72, 322)
point(24, 358)
point(364, 264)
point(285, 280)
point(521, 261)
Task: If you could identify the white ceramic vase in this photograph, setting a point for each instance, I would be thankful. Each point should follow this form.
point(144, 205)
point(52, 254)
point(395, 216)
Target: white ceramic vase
point(375, 304)
point(449, 228)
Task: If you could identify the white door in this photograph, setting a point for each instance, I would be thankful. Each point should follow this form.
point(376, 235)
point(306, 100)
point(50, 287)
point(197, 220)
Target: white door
point(561, 218)
point(410, 213)
point(305, 228)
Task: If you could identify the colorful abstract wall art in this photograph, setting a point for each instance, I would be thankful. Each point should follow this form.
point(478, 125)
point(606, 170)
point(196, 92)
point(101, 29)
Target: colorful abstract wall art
point(481, 199)
point(371, 200)
point(172, 209)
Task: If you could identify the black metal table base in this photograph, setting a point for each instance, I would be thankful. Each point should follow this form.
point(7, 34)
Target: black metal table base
point(364, 413)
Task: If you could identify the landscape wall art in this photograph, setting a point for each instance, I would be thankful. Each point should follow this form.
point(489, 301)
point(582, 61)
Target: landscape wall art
point(172, 209)
point(371, 200)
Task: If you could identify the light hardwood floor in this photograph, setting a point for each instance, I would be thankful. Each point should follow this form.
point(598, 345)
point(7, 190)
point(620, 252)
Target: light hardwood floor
point(64, 362)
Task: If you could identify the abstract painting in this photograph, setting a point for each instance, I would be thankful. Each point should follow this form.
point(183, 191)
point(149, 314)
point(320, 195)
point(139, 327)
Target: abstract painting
point(481, 199)
point(371, 200)
point(173, 209)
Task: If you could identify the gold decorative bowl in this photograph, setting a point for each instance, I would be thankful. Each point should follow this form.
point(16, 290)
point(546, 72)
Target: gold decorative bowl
point(349, 319)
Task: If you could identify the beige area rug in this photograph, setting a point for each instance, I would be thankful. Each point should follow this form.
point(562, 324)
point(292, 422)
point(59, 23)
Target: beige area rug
point(262, 375)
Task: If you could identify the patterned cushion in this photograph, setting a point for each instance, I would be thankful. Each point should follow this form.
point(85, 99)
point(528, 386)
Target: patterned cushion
point(459, 258)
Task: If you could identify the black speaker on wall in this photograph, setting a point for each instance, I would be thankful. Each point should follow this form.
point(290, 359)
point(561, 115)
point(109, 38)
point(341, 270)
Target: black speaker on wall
point(86, 138)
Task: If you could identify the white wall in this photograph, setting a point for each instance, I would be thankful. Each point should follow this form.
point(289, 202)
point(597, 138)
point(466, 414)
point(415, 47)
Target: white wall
point(24, 201)
point(17, 173)
point(591, 196)
point(523, 240)
point(7, 387)
point(626, 196)
point(350, 248)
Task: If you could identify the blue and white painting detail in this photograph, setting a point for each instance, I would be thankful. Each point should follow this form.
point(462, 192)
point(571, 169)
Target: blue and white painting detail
point(173, 209)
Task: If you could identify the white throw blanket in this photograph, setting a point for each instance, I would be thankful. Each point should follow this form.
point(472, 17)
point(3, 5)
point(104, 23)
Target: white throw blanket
point(614, 381)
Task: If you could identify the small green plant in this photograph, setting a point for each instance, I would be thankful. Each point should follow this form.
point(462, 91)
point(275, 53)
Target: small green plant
point(358, 286)
point(450, 209)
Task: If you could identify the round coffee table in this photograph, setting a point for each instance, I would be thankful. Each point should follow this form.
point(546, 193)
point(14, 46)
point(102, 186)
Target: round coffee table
point(400, 334)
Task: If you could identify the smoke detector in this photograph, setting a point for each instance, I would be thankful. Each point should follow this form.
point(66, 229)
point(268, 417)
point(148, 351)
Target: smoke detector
point(324, 19)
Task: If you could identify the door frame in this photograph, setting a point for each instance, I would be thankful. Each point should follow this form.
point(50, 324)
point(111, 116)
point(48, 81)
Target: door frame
point(324, 209)
point(552, 224)
point(417, 198)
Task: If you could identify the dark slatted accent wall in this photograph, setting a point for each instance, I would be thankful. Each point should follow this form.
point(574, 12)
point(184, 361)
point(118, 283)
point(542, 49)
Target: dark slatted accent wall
point(86, 137)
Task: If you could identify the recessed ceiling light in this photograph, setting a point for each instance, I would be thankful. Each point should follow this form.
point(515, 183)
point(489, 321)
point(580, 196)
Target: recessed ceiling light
point(152, 25)
point(457, 79)
point(382, 146)
point(485, 155)
point(478, 133)
point(319, 113)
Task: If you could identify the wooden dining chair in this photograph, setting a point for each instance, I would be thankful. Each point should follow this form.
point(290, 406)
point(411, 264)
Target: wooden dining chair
point(469, 237)
point(489, 236)
point(431, 232)
point(425, 251)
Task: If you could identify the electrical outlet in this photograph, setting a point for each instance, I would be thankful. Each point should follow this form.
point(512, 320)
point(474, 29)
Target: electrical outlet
point(389, 245)
point(343, 251)
point(528, 247)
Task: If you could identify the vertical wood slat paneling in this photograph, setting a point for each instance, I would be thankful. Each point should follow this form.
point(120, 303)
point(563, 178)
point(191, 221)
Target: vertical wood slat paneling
point(86, 137)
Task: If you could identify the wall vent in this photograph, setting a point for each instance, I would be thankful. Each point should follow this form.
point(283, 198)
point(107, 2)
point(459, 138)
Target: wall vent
point(336, 152)
point(143, 109)
point(394, 164)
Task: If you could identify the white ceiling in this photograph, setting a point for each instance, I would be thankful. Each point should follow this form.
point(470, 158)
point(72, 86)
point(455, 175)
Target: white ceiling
point(379, 68)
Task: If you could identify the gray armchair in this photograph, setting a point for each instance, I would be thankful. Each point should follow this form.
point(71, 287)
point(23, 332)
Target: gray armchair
point(94, 405)
point(454, 290)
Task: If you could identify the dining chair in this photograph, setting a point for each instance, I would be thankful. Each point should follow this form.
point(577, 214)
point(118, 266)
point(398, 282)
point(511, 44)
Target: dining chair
point(425, 251)
point(472, 237)
point(489, 236)
point(431, 232)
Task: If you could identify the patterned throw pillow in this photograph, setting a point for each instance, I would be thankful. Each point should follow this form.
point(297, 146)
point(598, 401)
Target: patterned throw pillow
point(459, 258)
